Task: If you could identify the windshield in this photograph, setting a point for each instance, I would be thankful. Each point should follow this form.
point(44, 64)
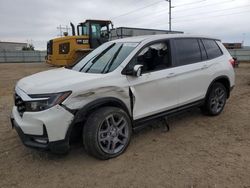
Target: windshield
point(105, 58)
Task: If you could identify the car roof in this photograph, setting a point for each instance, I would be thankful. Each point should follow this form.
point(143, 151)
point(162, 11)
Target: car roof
point(159, 36)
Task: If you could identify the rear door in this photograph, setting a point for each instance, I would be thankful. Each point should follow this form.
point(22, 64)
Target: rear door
point(215, 57)
point(190, 60)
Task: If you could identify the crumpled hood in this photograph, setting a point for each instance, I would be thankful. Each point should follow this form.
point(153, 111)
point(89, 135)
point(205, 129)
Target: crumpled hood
point(55, 80)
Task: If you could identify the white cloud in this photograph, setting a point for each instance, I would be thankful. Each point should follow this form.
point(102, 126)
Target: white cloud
point(37, 20)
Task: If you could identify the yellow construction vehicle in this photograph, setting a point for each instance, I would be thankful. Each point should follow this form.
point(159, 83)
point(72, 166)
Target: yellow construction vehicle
point(66, 50)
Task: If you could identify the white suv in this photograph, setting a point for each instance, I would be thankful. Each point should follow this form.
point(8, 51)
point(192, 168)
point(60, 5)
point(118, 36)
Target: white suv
point(119, 86)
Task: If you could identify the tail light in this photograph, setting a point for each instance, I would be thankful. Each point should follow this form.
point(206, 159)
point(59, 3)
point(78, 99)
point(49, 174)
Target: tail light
point(232, 62)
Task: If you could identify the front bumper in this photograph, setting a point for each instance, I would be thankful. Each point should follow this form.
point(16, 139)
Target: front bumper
point(61, 146)
point(45, 129)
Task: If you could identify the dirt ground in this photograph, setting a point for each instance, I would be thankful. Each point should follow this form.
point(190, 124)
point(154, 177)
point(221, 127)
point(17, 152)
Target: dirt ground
point(199, 151)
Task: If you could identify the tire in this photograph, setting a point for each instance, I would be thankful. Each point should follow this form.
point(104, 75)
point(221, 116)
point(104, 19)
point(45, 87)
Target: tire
point(215, 100)
point(107, 133)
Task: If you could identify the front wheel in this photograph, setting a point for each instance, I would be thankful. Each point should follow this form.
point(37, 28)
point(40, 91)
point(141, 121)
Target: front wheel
point(216, 99)
point(107, 132)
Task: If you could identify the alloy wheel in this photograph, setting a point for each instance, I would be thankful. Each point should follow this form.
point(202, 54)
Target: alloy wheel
point(113, 134)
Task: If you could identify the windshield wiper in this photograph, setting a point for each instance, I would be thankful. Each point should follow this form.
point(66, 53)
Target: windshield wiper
point(99, 56)
point(112, 60)
point(88, 62)
point(96, 57)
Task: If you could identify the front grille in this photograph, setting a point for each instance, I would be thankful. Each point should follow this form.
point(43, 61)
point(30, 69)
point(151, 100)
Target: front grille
point(20, 104)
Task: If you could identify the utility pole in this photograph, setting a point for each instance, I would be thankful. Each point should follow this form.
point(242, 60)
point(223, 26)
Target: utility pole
point(61, 28)
point(170, 15)
point(170, 7)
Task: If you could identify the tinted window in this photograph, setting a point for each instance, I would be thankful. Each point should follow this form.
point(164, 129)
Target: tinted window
point(212, 48)
point(187, 51)
point(203, 51)
point(153, 58)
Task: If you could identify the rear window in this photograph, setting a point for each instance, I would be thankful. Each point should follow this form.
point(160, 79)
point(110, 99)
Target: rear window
point(212, 48)
point(188, 51)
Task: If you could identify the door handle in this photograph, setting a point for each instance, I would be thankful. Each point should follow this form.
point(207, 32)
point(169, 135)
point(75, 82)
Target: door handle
point(204, 67)
point(172, 74)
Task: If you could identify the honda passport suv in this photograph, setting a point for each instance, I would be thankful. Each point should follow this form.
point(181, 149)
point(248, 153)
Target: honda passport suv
point(119, 86)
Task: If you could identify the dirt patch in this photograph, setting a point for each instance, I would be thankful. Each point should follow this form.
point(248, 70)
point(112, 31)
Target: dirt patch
point(199, 151)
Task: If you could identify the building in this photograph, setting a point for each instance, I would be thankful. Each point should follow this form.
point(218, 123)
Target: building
point(233, 45)
point(12, 46)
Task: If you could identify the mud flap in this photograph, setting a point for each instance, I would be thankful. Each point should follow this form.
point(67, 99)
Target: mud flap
point(165, 124)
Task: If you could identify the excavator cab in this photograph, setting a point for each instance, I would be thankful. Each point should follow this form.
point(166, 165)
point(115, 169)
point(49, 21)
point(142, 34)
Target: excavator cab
point(67, 50)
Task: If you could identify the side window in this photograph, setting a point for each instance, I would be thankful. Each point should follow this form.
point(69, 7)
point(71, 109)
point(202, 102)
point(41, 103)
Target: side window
point(153, 58)
point(187, 51)
point(96, 30)
point(212, 48)
point(85, 30)
point(203, 51)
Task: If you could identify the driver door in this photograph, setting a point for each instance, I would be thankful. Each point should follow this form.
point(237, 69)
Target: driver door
point(156, 90)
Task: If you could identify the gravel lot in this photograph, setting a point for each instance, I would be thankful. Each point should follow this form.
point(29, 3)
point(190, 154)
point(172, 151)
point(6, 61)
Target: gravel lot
point(199, 151)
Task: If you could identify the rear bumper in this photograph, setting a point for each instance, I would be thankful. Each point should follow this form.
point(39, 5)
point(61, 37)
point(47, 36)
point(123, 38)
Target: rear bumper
point(34, 141)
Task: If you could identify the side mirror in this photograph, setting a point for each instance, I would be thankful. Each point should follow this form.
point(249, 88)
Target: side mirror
point(137, 70)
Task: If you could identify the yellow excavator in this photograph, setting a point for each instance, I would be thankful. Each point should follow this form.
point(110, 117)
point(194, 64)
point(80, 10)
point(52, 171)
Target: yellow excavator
point(66, 50)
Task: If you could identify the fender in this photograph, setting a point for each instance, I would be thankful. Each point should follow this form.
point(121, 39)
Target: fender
point(82, 114)
point(224, 80)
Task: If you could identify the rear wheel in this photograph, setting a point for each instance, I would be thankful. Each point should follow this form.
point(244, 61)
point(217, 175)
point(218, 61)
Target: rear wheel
point(107, 132)
point(216, 99)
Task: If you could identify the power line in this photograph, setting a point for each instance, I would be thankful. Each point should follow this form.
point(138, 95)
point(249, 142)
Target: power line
point(180, 5)
point(200, 19)
point(152, 4)
point(211, 12)
point(213, 4)
point(212, 17)
point(154, 17)
point(187, 4)
point(163, 11)
point(138, 9)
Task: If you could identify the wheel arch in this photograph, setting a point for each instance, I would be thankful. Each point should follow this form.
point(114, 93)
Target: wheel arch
point(223, 80)
point(82, 114)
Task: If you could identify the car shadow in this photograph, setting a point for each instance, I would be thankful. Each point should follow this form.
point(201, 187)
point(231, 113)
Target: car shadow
point(157, 125)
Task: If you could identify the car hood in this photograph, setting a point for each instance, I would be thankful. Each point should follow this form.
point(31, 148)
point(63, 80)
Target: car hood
point(55, 80)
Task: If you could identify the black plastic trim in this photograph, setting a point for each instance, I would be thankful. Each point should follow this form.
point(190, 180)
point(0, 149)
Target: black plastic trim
point(139, 123)
point(61, 146)
point(216, 79)
point(81, 114)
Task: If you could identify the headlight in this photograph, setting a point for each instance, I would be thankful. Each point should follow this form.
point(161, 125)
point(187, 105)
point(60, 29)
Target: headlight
point(45, 101)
